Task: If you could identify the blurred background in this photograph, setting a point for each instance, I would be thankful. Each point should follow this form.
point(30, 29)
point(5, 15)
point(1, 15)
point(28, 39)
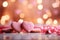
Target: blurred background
point(36, 11)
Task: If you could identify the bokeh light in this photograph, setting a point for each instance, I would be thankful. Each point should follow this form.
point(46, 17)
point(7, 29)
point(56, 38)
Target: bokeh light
point(48, 12)
point(55, 5)
point(5, 4)
point(12, 0)
point(2, 22)
point(49, 21)
point(39, 1)
point(45, 16)
point(55, 22)
point(3, 19)
point(40, 7)
point(7, 17)
point(40, 21)
point(31, 10)
point(22, 15)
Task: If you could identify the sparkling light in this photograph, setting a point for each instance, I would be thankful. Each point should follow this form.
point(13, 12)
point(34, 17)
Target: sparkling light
point(55, 5)
point(5, 4)
point(49, 21)
point(40, 21)
point(40, 7)
point(39, 1)
point(55, 22)
point(20, 20)
point(45, 16)
point(22, 15)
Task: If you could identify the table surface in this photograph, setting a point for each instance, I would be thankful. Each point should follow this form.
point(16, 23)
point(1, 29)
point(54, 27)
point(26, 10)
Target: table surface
point(29, 36)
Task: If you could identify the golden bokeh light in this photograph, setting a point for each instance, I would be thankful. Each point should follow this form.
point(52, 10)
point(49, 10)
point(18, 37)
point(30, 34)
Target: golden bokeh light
point(55, 5)
point(12, 0)
point(49, 21)
point(40, 7)
point(2, 22)
point(3, 19)
point(7, 17)
point(5, 4)
point(39, 1)
point(37, 11)
point(55, 22)
point(45, 16)
point(40, 21)
point(22, 15)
